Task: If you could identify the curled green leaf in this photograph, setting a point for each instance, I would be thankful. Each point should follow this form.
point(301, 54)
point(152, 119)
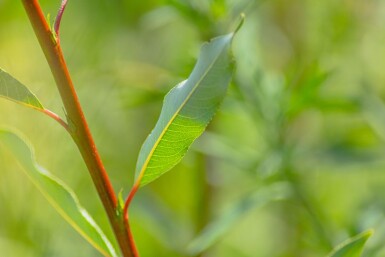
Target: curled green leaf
point(60, 196)
point(187, 109)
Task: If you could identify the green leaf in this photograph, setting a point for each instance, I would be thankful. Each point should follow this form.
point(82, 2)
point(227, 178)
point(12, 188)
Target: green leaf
point(58, 194)
point(187, 109)
point(12, 89)
point(221, 225)
point(352, 247)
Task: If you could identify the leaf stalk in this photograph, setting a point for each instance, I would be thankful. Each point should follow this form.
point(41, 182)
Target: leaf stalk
point(56, 118)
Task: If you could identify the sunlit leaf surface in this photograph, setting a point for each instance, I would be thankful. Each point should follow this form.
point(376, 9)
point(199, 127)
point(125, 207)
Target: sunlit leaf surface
point(187, 110)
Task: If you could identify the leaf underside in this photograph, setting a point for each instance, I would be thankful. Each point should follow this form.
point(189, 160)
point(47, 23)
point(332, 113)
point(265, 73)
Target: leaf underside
point(60, 196)
point(187, 109)
point(352, 247)
point(12, 89)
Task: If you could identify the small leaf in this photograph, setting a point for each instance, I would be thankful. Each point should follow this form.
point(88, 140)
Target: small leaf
point(60, 196)
point(187, 109)
point(352, 247)
point(12, 89)
point(218, 228)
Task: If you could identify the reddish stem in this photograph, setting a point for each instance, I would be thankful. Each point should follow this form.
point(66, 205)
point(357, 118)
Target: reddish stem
point(131, 195)
point(77, 124)
point(130, 236)
point(57, 118)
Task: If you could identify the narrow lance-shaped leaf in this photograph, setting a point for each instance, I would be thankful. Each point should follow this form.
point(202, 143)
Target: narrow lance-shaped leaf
point(187, 109)
point(58, 194)
point(12, 89)
point(352, 247)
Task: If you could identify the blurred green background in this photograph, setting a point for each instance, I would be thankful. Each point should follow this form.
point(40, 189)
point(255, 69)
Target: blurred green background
point(292, 164)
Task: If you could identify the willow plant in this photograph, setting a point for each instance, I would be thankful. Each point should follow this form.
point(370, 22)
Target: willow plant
point(187, 110)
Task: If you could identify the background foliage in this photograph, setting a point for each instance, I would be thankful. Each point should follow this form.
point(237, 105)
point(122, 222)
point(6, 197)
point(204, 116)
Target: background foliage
point(304, 116)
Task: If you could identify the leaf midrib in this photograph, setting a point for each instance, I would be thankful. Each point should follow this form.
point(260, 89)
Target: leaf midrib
point(145, 164)
point(109, 251)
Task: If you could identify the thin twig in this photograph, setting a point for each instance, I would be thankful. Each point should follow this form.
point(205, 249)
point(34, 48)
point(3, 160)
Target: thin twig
point(57, 118)
point(131, 195)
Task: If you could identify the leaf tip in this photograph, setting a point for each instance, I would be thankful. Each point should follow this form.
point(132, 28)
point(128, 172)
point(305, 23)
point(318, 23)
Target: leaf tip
point(240, 24)
point(354, 245)
point(368, 233)
point(365, 235)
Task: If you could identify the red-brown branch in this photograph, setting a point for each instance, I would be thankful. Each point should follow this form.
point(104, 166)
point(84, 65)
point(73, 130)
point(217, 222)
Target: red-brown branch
point(78, 126)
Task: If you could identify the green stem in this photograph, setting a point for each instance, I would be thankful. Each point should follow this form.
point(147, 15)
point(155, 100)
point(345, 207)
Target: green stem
point(78, 126)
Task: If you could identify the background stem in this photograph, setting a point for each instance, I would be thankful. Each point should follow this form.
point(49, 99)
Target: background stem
point(77, 123)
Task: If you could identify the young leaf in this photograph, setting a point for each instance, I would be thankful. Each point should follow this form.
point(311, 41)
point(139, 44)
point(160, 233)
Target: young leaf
point(352, 247)
point(187, 109)
point(12, 89)
point(218, 228)
point(58, 194)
